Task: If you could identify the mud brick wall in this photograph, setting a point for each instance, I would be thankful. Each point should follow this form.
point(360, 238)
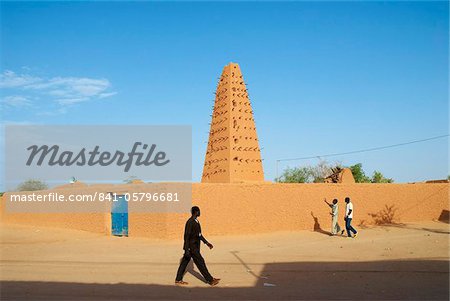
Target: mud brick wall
point(242, 209)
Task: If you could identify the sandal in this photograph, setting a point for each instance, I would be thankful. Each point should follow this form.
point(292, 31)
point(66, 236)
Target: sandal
point(181, 282)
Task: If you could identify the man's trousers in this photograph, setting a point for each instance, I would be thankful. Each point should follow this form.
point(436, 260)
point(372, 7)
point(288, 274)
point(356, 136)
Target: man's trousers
point(199, 262)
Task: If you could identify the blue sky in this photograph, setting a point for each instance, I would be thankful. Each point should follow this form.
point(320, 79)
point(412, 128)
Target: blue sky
point(323, 77)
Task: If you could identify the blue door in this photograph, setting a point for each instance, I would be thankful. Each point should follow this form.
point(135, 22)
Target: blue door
point(119, 216)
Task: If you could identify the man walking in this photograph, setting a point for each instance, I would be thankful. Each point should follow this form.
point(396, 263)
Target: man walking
point(348, 218)
point(192, 237)
point(335, 228)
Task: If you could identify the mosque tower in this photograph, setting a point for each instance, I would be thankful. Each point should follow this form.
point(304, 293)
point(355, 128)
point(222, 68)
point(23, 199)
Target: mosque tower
point(233, 153)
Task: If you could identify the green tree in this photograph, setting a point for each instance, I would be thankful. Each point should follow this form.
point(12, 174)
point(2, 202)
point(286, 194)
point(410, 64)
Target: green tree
point(358, 174)
point(379, 178)
point(296, 175)
point(32, 185)
point(130, 179)
point(307, 174)
point(317, 174)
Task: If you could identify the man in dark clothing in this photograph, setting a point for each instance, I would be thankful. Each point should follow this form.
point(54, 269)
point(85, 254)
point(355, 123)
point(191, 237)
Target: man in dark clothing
point(192, 237)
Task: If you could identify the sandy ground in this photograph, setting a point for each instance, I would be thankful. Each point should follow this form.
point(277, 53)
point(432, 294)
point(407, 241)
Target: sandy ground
point(387, 262)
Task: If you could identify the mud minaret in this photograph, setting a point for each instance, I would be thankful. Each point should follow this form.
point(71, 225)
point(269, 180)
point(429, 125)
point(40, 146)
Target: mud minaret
point(233, 153)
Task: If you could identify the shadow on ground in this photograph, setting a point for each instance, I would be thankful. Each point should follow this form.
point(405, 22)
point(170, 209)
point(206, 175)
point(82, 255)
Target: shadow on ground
point(400, 280)
point(317, 226)
point(190, 269)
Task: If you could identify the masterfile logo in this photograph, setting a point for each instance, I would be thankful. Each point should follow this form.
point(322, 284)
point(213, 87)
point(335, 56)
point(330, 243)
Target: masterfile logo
point(52, 156)
point(97, 153)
